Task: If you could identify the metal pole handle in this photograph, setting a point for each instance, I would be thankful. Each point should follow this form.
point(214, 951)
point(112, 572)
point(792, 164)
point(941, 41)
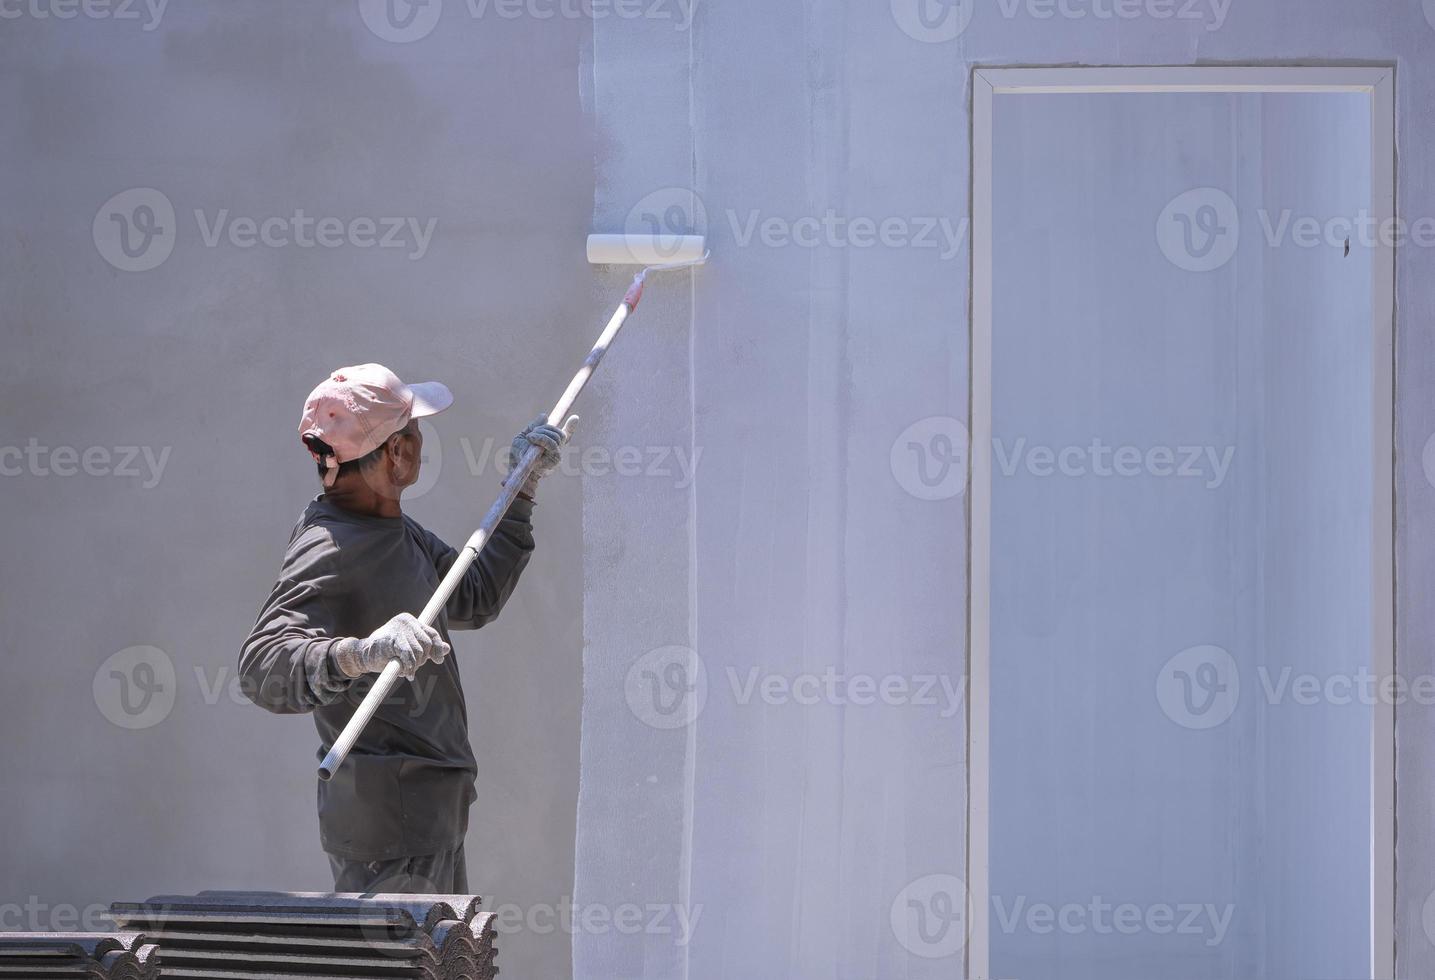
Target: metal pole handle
point(386, 679)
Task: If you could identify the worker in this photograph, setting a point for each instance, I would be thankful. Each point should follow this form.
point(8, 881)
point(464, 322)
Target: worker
point(393, 818)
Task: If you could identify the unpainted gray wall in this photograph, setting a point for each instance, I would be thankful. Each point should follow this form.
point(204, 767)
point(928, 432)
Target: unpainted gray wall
point(263, 108)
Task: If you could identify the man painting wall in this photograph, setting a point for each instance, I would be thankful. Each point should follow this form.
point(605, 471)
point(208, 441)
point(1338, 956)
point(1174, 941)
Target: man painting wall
point(393, 818)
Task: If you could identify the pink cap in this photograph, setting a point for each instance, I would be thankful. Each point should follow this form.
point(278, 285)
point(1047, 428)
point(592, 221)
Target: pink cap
point(356, 408)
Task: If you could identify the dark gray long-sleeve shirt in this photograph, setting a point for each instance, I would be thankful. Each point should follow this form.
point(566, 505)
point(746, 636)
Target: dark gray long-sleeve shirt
point(407, 785)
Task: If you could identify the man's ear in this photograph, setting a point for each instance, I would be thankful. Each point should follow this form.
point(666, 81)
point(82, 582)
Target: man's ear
point(403, 455)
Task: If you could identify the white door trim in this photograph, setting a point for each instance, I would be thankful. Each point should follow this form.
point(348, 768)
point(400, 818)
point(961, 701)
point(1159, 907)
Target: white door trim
point(988, 83)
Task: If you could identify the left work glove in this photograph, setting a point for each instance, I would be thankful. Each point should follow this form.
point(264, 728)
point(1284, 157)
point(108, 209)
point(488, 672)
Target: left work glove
point(547, 437)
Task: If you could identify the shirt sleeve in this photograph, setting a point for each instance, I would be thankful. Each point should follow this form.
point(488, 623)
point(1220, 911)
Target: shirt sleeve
point(285, 664)
point(492, 577)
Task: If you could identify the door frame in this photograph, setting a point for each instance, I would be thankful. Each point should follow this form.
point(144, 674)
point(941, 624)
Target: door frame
point(987, 84)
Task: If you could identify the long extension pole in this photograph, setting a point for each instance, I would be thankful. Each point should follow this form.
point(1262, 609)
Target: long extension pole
point(386, 680)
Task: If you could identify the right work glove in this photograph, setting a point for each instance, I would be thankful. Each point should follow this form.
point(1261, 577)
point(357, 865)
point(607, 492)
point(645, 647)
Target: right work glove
point(548, 438)
point(402, 638)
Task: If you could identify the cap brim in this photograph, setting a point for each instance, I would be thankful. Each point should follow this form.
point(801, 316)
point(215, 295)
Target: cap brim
point(430, 398)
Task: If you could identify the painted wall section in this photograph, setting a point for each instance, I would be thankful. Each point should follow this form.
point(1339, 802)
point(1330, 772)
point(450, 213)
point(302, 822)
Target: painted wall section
point(255, 110)
point(818, 833)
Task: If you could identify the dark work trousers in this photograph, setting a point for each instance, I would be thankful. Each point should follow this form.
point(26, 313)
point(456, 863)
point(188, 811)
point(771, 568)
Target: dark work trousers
point(444, 873)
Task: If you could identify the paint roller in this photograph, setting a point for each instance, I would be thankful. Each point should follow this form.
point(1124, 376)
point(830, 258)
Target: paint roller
point(656, 253)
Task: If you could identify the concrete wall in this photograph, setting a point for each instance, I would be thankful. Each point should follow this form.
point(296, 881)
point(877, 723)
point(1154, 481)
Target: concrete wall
point(801, 836)
point(262, 108)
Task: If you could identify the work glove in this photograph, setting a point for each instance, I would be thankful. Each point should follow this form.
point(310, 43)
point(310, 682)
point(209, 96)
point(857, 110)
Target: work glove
point(550, 439)
point(402, 638)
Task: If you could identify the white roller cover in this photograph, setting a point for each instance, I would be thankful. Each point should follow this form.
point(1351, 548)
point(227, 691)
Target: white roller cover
point(644, 249)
